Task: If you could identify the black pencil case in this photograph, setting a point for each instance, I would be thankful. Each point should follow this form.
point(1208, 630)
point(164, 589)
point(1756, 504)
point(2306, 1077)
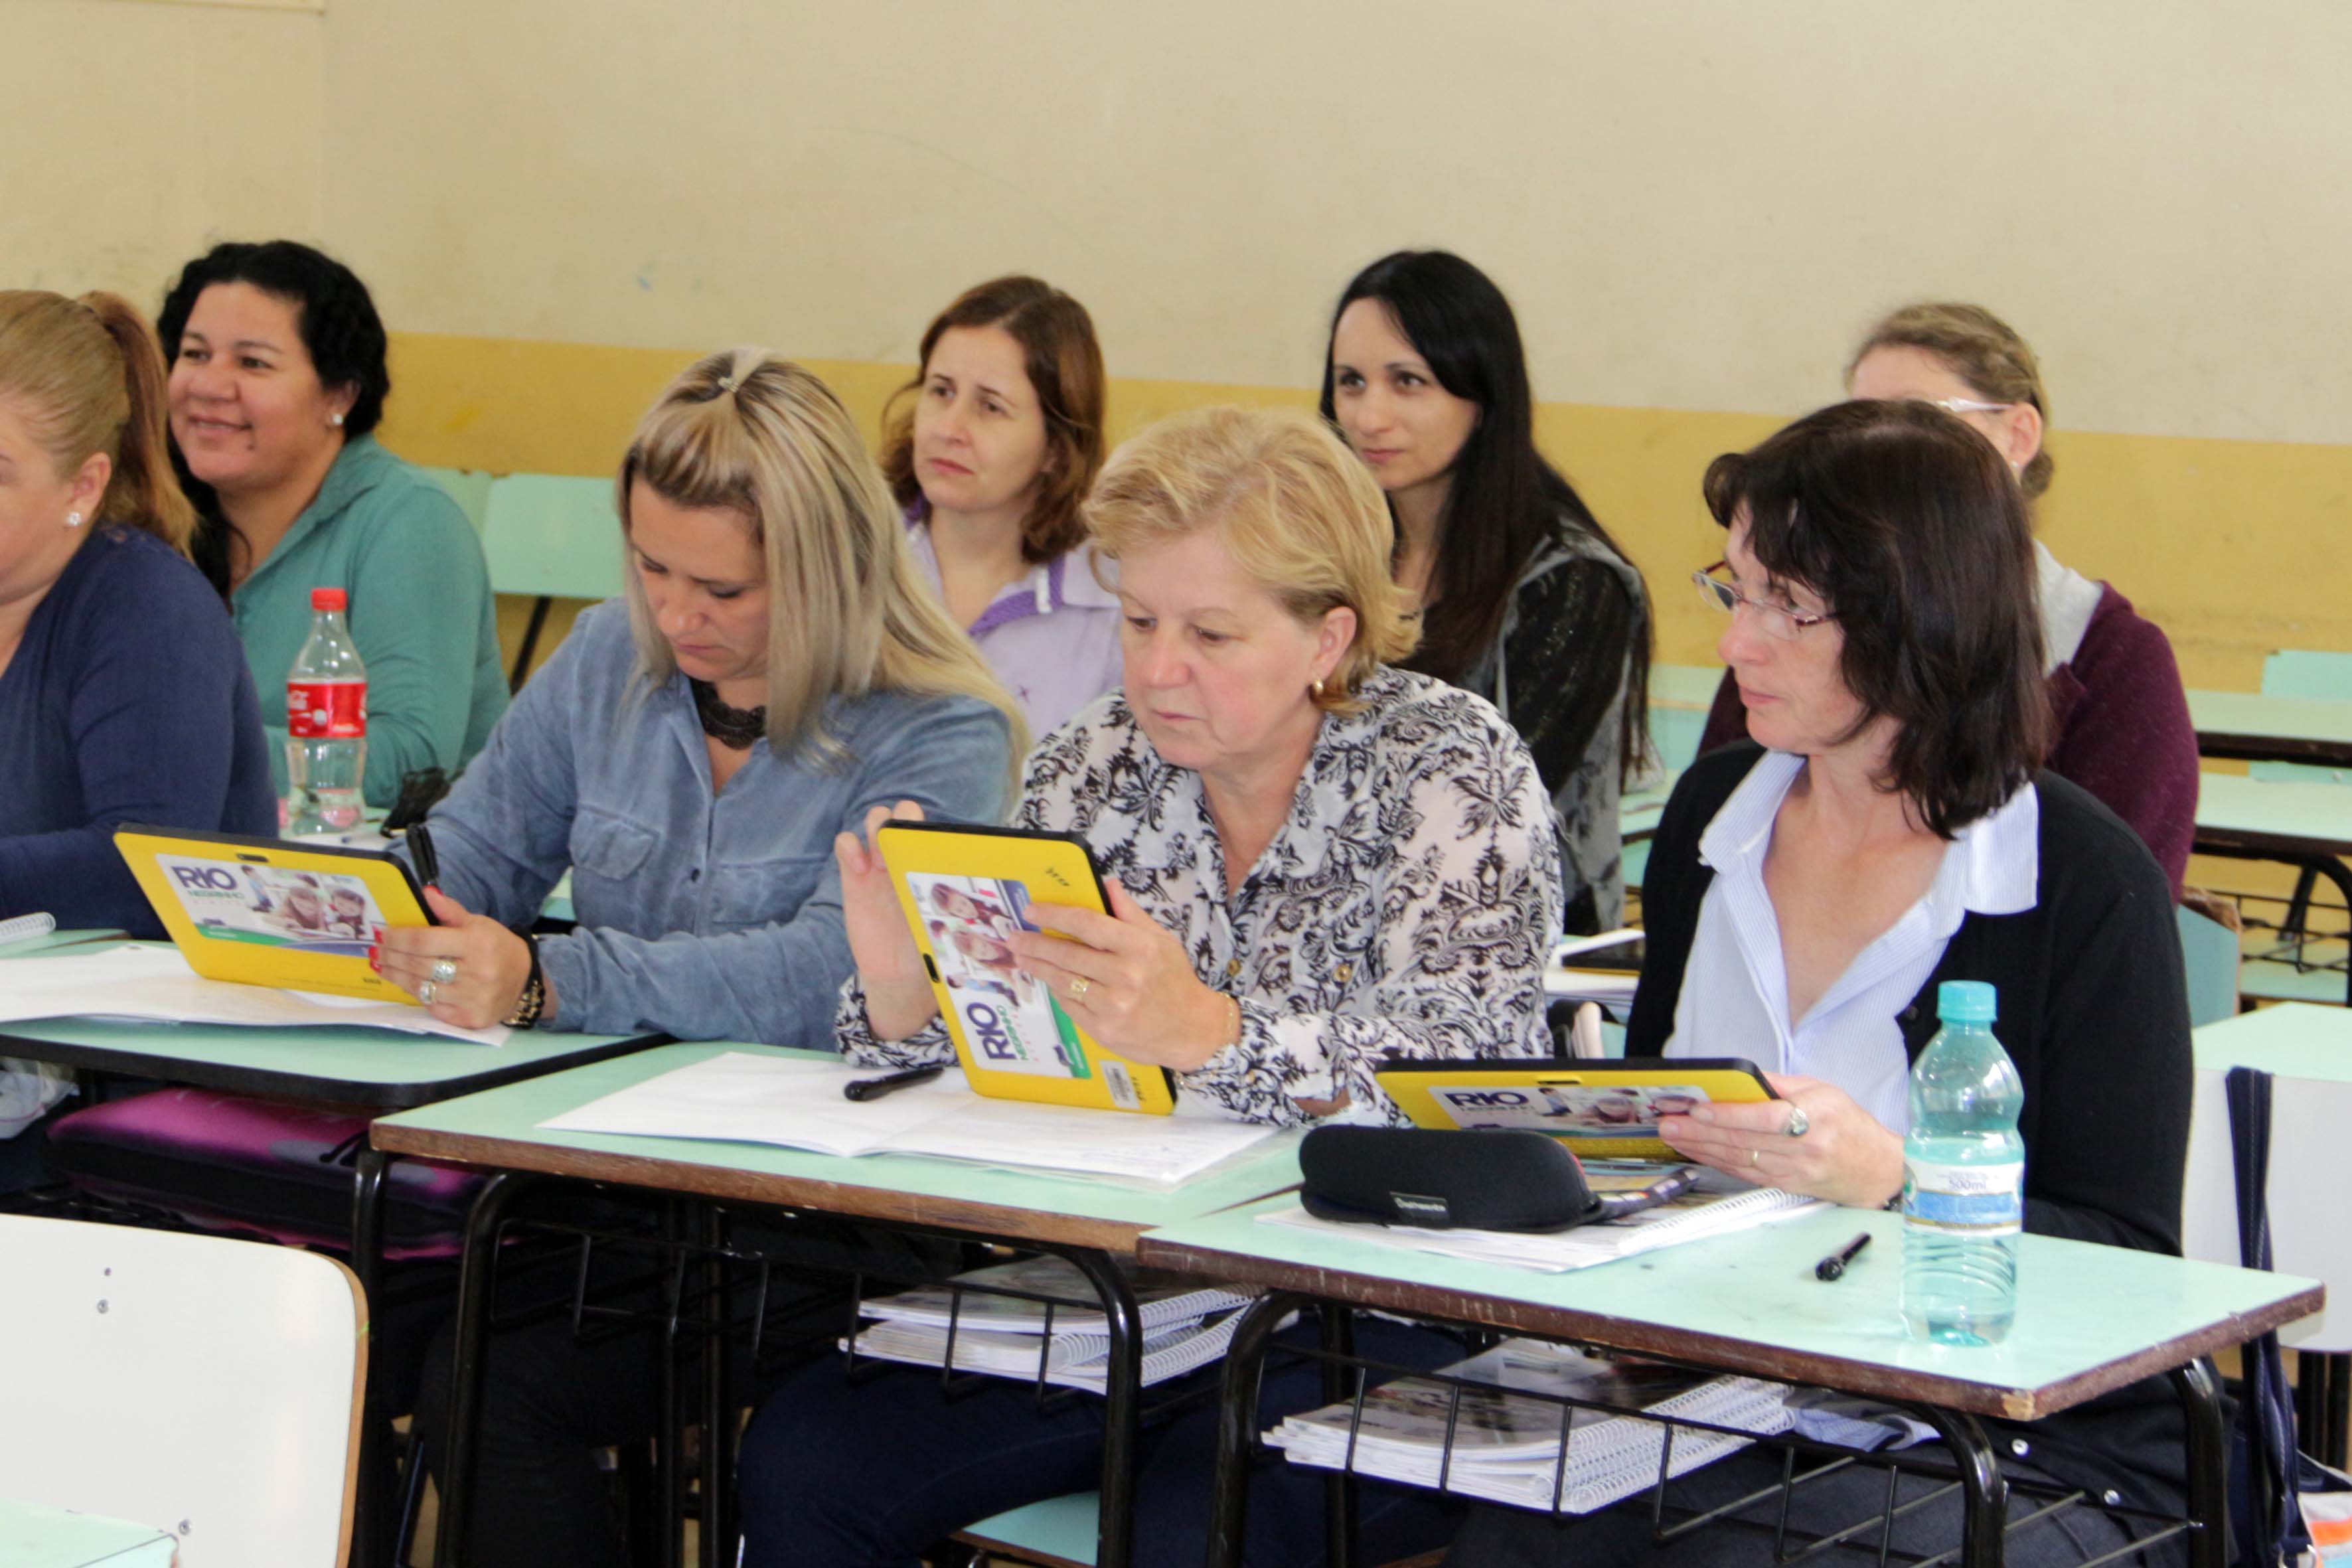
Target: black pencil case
point(1501, 1179)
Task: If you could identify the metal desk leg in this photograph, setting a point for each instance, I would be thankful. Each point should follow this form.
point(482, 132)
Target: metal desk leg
point(1340, 1487)
point(1237, 1423)
point(1122, 1401)
point(477, 1290)
point(718, 1533)
point(2209, 1464)
point(1984, 1495)
point(369, 1518)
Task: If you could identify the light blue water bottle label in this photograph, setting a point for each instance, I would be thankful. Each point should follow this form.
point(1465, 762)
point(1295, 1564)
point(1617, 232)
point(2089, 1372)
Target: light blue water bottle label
point(1966, 1200)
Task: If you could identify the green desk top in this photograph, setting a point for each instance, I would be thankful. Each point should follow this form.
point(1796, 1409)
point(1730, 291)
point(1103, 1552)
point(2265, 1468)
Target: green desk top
point(2090, 1317)
point(501, 1128)
point(345, 1063)
point(2276, 813)
point(2286, 728)
point(49, 942)
point(32, 1536)
point(2294, 1038)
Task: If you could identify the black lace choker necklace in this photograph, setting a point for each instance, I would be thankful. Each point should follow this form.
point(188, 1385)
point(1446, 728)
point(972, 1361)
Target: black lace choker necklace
point(737, 729)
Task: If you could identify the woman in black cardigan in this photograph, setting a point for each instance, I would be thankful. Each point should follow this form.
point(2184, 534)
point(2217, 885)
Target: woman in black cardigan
point(1806, 896)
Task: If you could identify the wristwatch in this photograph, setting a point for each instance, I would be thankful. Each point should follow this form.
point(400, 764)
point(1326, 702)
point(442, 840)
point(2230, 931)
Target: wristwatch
point(533, 1000)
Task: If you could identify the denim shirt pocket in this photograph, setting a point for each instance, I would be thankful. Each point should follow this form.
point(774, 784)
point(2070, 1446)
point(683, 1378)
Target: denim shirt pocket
point(608, 854)
point(748, 893)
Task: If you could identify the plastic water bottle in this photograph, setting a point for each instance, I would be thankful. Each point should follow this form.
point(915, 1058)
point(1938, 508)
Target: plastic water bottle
point(1963, 1177)
point(326, 723)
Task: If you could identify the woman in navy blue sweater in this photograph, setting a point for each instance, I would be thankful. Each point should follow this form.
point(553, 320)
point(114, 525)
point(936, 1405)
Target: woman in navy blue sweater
point(123, 690)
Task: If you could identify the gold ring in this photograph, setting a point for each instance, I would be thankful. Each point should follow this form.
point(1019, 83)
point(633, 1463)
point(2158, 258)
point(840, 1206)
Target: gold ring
point(1755, 1160)
point(1079, 988)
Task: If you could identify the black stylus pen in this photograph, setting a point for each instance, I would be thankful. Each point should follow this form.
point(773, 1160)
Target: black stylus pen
point(1832, 1266)
point(876, 1088)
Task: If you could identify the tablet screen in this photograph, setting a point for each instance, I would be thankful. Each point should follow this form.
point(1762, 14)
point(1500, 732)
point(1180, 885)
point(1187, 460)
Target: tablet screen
point(275, 906)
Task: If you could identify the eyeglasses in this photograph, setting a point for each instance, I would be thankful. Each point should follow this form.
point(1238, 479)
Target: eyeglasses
point(1782, 622)
point(1965, 405)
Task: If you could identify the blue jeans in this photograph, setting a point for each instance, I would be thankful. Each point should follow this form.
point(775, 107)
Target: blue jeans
point(869, 1475)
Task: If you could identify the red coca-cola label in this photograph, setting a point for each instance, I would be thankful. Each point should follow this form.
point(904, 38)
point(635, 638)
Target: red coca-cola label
point(326, 709)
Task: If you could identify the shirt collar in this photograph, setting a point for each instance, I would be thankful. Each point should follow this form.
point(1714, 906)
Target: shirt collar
point(1326, 791)
point(355, 470)
point(1066, 581)
point(1993, 866)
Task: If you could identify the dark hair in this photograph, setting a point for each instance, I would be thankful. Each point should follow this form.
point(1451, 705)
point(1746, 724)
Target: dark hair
point(1065, 366)
point(1504, 500)
point(339, 327)
point(1907, 525)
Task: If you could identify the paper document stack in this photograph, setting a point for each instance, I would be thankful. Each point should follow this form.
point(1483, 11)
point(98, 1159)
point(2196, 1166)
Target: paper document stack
point(1716, 1207)
point(1506, 1447)
point(1184, 1326)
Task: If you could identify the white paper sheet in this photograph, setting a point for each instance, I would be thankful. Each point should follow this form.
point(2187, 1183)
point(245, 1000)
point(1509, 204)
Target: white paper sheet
point(739, 1098)
point(154, 984)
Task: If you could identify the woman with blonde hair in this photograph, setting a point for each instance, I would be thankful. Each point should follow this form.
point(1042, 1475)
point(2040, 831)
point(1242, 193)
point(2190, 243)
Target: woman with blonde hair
point(123, 693)
point(1315, 861)
point(776, 671)
point(2120, 720)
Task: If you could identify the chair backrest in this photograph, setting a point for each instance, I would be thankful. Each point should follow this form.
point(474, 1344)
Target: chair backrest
point(2209, 953)
point(470, 489)
point(552, 536)
point(2304, 672)
point(207, 1386)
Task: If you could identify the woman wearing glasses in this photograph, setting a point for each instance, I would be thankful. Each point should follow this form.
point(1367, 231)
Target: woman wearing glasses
point(2121, 726)
point(1806, 896)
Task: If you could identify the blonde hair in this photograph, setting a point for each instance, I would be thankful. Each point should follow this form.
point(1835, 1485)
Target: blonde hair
point(1301, 514)
point(752, 432)
point(1980, 349)
point(89, 377)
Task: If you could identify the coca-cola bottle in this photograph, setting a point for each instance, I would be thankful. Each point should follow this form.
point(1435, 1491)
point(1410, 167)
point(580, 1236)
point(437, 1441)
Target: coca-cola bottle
point(326, 723)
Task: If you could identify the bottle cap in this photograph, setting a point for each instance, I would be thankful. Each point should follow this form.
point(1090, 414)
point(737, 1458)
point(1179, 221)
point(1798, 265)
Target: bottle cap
point(1965, 1002)
point(328, 599)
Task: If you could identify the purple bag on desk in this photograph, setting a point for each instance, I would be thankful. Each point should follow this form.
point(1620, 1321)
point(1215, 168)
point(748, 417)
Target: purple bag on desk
point(267, 1167)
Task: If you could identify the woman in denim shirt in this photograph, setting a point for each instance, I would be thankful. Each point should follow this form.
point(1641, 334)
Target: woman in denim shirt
point(776, 671)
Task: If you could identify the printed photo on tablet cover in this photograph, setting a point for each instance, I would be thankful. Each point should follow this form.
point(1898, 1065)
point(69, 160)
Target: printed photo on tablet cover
point(1010, 1020)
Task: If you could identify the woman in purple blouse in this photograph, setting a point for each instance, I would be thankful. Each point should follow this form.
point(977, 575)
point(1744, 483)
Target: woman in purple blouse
point(1003, 438)
point(2120, 720)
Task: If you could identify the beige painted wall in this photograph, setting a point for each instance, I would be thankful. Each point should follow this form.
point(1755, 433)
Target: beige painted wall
point(132, 135)
point(1694, 203)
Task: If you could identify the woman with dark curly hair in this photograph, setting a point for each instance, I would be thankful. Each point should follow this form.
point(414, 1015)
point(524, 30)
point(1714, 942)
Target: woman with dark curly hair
point(278, 382)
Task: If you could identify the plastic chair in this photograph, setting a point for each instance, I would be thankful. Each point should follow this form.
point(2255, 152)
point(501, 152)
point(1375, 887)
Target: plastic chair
point(208, 1387)
point(1058, 1532)
point(2209, 954)
point(551, 537)
point(470, 489)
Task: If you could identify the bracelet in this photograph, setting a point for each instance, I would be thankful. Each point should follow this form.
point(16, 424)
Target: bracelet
point(533, 1000)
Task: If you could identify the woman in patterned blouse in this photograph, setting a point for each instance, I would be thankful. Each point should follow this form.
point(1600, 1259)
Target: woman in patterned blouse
point(1313, 859)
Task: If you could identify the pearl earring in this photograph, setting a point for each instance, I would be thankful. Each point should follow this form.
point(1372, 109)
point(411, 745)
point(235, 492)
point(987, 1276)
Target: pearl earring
point(73, 519)
point(336, 420)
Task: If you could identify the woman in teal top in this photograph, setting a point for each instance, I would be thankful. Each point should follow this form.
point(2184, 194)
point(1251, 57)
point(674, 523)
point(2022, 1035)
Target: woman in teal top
point(277, 378)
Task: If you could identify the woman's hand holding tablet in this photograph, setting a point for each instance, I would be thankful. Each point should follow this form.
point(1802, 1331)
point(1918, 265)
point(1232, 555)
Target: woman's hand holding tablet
point(1845, 1154)
point(488, 966)
point(1126, 980)
point(898, 995)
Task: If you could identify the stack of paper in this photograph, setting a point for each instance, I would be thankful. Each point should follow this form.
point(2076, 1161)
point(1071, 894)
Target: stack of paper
point(1567, 981)
point(1707, 1210)
point(153, 983)
point(1185, 1326)
point(737, 1097)
point(1506, 1447)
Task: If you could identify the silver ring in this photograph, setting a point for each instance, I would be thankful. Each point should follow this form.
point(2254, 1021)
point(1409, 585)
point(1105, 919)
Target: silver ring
point(444, 970)
point(1798, 1121)
point(425, 993)
point(1079, 988)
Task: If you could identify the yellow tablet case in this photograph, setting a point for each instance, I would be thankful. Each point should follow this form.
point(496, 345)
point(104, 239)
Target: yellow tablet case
point(965, 890)
point(263, 911)
point(1606, 1109)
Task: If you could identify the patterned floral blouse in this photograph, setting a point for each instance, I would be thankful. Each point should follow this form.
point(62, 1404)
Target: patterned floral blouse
point(1408, 904)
